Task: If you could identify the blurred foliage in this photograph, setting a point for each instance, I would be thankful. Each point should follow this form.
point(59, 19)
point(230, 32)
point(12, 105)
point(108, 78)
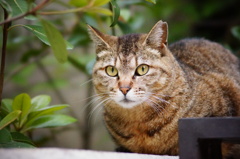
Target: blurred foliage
point(61, 24)
point(23, 114)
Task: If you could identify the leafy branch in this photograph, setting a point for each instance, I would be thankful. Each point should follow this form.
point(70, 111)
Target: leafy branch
point(31, 12)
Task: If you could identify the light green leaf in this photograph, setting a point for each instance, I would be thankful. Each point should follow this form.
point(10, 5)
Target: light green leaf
point(100, 2)
point(45, 111)
point(56, 40)
point(41, 35)
point(15, 144)
point(125, 14)
point(236, 32)
point(18, 7)
point(40, 102)
point(152, 1)
point(99, 10)
point(22, 102)
point(19, 137)
point(5, 136)
point(9, 118)
point(116, 12)
point(49, 121)
point(7, 105)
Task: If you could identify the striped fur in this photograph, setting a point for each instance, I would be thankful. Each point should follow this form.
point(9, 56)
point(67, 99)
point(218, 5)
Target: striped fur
point(190, 78)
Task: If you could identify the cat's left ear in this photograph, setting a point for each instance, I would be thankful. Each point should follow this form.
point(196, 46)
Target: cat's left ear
point(157, 37)
point(101, 40)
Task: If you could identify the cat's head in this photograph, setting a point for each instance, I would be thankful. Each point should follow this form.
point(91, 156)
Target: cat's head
point(131, 69)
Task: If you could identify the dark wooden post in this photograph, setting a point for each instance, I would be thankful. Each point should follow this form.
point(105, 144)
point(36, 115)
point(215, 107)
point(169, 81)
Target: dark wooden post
point(200, 138)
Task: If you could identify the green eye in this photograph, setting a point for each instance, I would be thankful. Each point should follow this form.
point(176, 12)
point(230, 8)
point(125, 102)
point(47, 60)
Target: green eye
point(111, 71)
point(142, 70)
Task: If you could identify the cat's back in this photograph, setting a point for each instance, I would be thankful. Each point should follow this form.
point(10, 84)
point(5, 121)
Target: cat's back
point(203, 56)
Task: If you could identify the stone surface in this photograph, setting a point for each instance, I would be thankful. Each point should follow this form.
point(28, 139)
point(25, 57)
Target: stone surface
point(55, 153)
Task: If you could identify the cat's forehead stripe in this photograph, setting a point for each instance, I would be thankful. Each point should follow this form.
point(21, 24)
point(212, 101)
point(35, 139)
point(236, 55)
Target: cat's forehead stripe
point(127, 44)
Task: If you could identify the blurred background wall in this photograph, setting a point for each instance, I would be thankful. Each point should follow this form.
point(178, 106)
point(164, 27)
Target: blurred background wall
point(32, 68)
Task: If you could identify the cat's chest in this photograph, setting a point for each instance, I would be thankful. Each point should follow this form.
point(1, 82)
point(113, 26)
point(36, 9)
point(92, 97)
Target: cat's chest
point(143, 135)
point(138, 122)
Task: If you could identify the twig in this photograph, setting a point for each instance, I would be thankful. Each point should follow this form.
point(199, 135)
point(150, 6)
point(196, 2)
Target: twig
point(4, 49)
point(33, 11)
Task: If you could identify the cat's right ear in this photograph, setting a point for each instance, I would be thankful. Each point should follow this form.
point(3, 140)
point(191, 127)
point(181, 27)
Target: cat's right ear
point(100, 39)
point(157, 37)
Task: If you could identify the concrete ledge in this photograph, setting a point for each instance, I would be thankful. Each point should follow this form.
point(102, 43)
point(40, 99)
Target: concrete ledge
point(56, 153)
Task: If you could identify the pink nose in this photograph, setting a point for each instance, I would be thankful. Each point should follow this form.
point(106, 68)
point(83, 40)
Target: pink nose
point(124, 90)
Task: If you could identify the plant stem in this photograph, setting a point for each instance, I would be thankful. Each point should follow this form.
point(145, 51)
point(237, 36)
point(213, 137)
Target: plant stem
point(4, 49)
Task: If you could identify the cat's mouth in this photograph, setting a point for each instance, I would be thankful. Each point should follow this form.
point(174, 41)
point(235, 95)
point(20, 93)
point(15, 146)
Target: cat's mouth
point(125, 100)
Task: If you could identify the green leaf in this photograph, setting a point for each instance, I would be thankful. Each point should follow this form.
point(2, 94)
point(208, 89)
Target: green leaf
point(126, 29)
point(39, 32)
point(22, 102)
point(9, 118)
point(116, 12)
point(56, 40)
point(236, 32)
point(19, 137)
point(54, 120)
point(79, 65)
point(15, 144)
point(40, 102)
point(18, 7)
point(5, 136)
point(99, 10)
point(152, 1)
point(29, 54)
point(7, 105)
point(6, 6)
point(45, 111)
point(78, 3)
point(83, 64)
point(100, 2)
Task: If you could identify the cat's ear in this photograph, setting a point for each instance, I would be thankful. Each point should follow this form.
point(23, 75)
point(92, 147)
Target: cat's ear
point(157, 37)
point(101, 40)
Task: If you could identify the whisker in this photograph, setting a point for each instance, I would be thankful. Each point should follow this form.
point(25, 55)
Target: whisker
point(98, 105)
point(84, 83)
point(94, 100)
point(156, 106)
point(164, 101)
point(95, 95)
point(101, 108)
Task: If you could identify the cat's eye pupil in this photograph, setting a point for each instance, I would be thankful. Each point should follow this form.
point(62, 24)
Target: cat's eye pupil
point(111, 71)
point(142, 70)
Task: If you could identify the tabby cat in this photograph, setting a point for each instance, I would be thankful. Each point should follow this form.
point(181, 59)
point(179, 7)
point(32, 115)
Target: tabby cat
point(147, 86)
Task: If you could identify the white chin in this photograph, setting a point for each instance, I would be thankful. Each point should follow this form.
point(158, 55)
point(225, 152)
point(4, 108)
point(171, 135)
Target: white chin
point(128, 104)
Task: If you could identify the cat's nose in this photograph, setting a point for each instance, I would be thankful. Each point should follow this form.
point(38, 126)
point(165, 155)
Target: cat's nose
point(125, 89)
